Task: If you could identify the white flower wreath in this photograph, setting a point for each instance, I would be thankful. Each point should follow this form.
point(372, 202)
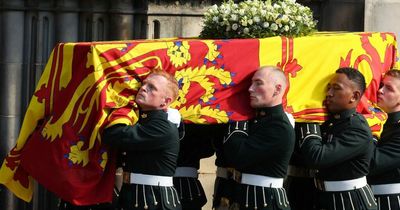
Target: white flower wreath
point(258, 19)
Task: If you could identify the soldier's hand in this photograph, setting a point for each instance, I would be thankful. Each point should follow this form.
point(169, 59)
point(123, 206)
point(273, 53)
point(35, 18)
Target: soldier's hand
point(306, 131)
point(237, 127)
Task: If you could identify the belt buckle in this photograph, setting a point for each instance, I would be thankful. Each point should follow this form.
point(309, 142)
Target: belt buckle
point(234, 174)
point(126, 177)
point(319, 184)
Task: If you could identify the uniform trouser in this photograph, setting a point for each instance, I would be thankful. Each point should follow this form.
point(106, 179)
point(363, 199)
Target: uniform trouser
point(146, 197)
point(223, 193)
point(261, 198)
point(359, 199)
point(68, 206)
point(302, 193)
point(190, 192)
point(388, 202)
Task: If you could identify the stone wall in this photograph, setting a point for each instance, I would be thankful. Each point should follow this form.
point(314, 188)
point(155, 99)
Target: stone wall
point(176, 19)
point(383, 15)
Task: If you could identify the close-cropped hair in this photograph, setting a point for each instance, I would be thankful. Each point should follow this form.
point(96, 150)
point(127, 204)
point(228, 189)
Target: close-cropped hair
point(355, 76)
point(172, 86)
point(393, 73)
point(277, 73)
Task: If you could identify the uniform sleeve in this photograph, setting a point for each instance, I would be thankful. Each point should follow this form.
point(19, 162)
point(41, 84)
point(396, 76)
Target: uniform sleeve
point(343, 146)
point(243, 151)
point(152, 136)
point(386, 155)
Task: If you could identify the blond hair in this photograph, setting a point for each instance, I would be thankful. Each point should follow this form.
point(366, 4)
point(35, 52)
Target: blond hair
point(172, 85)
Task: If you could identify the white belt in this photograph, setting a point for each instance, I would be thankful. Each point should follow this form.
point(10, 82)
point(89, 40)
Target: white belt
point(186, 172)
point(222, 172)
point(153, 180)
point(262, 181)
point(345, 185)
point(385, 189)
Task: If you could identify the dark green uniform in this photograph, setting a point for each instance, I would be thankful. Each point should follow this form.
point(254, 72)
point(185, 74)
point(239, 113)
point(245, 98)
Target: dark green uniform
point(264, 152)
point(384, 176)
point(150, 147)
point(195, 145)
point(299, 183)
point(343, 154)
point(224, 185)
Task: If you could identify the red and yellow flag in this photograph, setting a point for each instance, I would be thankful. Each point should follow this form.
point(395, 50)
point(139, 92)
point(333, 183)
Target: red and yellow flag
point(87, 86)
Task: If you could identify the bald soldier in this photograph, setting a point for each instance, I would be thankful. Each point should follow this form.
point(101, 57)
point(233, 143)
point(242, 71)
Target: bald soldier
point(260, 149)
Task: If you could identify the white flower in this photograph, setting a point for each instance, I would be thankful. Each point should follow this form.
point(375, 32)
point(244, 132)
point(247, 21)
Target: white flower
point(286, 28)
point(257, 18)
point(285, 18)
point(215, 19)
point(274, 27)
point(235, 26)
point(234, 17)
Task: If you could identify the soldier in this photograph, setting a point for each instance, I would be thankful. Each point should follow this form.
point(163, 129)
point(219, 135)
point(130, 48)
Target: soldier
point(343, 154)
point(224, 185)
point(384, 176)
point(299, 182)
point(260, 150)
point(150, 148)
point(195, 145)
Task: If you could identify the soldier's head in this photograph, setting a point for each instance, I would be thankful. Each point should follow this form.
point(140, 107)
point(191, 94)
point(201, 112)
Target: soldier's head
point(158, 91)
point(389, 92)
point(268, 86)
point(344, 90)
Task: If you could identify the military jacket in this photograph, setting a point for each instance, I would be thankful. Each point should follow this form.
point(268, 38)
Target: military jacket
point(149, 147)
point(345, 150)
point(385, 164)
point(195, 145)
point(267, 148)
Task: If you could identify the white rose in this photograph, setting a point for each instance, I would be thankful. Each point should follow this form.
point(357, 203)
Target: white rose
point(286, 28)
point(274, 27)
point(265, 24)
point(256, 19)
point(246, 30)
point(235, 26)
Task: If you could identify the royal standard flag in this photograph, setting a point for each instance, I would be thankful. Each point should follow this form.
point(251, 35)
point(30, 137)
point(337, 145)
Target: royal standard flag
point(87, 86)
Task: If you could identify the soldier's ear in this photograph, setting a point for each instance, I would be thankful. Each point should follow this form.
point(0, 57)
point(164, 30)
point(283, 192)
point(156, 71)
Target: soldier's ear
point(278, 89)
point(356, 96)
point(167, 102)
